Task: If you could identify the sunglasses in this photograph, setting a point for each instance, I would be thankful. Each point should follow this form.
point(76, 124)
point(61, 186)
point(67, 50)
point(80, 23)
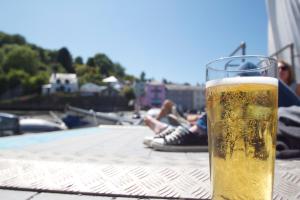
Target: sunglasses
point(283, 68)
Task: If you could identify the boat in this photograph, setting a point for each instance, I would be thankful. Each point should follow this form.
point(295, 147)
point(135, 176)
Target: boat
point(77, 117)
point(11, 124)
point(33, 125)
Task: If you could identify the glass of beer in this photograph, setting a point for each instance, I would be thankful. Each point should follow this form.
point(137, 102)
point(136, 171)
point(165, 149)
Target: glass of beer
point(241, 103)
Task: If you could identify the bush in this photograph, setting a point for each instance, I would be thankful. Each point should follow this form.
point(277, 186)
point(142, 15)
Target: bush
point(128, 93)
point(34, 84)
point(21, 58)
point(17, 78)
point(3, 83)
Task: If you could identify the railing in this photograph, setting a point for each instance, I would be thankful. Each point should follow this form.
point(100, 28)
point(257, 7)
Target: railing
point(289, 47)
point(242, 47)
point(292, 53)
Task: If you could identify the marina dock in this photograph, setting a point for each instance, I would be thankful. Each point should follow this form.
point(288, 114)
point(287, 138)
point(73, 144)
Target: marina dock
point(110, 162)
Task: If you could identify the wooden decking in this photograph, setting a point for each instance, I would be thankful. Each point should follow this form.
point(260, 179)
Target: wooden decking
point(110, 162)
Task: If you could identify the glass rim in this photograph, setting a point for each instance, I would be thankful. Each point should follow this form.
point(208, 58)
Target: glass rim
point(209, 67)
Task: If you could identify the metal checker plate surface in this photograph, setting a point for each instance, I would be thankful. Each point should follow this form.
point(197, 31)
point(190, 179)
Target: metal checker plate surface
point(128, 180)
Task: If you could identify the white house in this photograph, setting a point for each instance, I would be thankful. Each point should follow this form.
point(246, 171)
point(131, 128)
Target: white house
point(60, 82)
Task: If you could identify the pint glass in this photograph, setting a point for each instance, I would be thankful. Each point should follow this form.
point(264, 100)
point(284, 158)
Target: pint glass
point(241, 103)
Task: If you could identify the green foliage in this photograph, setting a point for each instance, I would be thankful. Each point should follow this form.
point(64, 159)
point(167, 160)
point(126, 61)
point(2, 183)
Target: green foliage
point(78, 60)
point(130, 78)
point(58, 68)
point(105, 65)
point(52, 55)
point(81, 69)
point(34, 84)
point(65, 59)
point(128, 92)
point(16, 78)
point(88, 74)
point(45, 56)
point(28, 66)
point(21, 58)
point(8, 47)
point(4, 83)
point(11, 39)
point(2, 57)
point(90, 62)
point(119, 70)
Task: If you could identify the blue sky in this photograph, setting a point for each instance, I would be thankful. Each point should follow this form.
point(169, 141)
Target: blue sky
point(171, 39)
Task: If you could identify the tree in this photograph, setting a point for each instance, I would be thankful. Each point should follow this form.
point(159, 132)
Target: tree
point(34, 83)
point(90, 75)
point(78, 60)
point(52, 55)
point(165, 81)
point(18, 39)
point(44, 55)
point(1, 58)
point(28, 66)
point(65, 59)
point(90, 62)
point(11, 39)
point(104, 64)
point(128, 93)
point(81, 69)
point(143, 76)
point(3, 83)
point(130, 78)
point(21, 58)
point(16, 78)
point(119, 70)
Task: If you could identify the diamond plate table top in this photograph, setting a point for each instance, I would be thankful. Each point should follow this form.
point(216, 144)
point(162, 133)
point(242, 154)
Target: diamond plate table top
point(105, 179)
point(95, 162)
point(128, 180)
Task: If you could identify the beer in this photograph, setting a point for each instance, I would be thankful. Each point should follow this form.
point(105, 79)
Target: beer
point(242, 125)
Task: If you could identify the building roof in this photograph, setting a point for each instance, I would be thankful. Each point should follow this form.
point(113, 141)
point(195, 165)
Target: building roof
point(62, 77)
point(182, 87)
point(155, 83)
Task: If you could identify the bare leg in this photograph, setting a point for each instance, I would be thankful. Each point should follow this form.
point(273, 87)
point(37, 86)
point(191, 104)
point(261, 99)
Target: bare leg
point(154, 124)
point(197, 130)
point(165, 109)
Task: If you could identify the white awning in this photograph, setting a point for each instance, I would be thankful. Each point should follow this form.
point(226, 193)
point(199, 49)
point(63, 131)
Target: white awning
point(110, 79)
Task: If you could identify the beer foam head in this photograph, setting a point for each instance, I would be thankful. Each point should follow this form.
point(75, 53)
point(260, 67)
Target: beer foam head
point(243, 80)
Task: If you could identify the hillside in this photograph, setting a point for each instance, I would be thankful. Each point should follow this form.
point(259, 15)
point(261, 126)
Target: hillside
point(25, 67)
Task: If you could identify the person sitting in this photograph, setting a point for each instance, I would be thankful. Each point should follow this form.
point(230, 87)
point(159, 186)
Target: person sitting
point(169, 114)
point(289, 90)
point(286, 75)
point(184, 136)
point(167, 137)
